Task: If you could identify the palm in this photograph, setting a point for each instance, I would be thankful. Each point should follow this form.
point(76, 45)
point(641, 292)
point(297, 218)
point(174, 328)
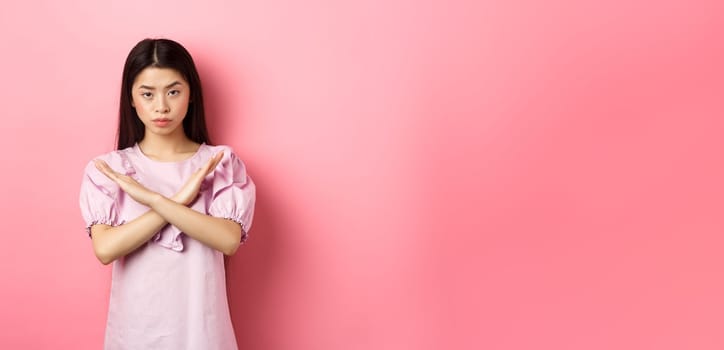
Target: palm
point(138, 192)
point(190, 190)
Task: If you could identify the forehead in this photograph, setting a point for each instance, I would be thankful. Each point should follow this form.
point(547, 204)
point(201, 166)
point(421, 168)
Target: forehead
point(158, 77)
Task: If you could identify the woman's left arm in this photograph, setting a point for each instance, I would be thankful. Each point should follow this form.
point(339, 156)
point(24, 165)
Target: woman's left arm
point(221, 234)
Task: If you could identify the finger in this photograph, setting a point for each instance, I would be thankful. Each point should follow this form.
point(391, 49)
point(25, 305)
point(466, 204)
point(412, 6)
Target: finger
point(112, 174)
point(105, 169)
point(197, 175)
point(209, 166)
point(200, 172)
point(215, 161)
point(109, 170)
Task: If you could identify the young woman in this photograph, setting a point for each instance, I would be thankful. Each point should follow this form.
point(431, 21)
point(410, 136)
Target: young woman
point(165, 208)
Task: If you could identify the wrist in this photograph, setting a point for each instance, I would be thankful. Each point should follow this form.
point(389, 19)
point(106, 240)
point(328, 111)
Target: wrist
point(178, 198)
point(155, 199)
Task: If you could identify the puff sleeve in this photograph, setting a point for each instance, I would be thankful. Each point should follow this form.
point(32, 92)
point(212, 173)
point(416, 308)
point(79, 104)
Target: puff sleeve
point(233, 193)
point(98, 195)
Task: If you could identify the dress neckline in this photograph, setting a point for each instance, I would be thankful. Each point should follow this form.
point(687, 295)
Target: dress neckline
point(138, 151)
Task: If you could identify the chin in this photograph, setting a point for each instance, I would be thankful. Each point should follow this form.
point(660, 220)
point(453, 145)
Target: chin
point(161, 131)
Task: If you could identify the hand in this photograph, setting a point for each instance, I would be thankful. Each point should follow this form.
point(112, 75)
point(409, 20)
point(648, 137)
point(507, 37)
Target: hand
point(190, 190)
point(139, 193)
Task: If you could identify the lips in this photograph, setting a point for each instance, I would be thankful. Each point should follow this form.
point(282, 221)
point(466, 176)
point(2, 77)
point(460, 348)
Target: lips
point(161, 121)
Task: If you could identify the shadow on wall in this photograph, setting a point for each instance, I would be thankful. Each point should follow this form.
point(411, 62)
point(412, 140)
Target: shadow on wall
point(225, 97)
point(250, 274)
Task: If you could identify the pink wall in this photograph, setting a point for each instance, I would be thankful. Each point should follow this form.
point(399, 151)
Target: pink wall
point(431, 175)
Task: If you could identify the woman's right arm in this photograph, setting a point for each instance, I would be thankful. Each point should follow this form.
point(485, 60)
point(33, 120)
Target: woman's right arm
point(113, 242)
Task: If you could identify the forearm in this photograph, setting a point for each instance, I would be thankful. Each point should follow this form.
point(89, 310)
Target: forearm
point(220, 234)
point(113, 242)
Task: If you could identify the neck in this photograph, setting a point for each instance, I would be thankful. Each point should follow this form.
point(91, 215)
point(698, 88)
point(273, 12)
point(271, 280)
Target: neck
point(166, 145)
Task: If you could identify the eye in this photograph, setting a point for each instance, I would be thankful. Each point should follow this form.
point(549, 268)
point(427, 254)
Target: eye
point(146, 94)
point(174, 92)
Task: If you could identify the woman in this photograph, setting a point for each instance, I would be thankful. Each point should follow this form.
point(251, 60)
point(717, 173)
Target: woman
point(165, 208)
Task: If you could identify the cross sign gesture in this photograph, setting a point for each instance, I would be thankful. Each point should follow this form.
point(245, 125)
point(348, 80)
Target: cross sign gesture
point(186, 195)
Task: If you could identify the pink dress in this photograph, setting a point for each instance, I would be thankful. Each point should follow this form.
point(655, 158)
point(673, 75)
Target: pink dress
point(170, 293)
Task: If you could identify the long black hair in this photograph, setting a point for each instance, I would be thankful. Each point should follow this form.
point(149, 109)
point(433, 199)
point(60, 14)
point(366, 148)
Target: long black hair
point(160, 53)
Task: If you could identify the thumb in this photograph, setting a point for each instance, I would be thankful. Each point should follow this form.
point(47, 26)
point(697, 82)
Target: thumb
point(214, 162)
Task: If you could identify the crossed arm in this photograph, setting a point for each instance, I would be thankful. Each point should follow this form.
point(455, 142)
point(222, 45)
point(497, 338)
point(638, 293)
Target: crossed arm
point(113, 242)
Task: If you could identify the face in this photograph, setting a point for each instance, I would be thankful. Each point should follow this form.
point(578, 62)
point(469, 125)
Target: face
point(161, 99)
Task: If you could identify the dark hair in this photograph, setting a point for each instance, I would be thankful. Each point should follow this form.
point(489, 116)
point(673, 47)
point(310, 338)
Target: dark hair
point(160, 53)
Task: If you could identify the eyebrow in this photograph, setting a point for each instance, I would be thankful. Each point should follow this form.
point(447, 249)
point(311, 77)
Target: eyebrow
point(153, 88)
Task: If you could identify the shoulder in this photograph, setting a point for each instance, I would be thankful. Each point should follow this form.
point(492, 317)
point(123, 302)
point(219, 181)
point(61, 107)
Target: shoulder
point(115, 159)
point(230, 155)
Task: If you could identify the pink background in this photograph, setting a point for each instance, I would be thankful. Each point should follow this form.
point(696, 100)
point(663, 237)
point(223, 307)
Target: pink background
point(430, 174)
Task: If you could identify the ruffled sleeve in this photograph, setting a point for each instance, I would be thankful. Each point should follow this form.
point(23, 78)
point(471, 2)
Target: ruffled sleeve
point(233, 192)
point(98, 195)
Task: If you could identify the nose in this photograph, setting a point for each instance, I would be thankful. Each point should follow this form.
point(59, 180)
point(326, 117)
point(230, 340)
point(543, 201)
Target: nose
point(162, 105)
